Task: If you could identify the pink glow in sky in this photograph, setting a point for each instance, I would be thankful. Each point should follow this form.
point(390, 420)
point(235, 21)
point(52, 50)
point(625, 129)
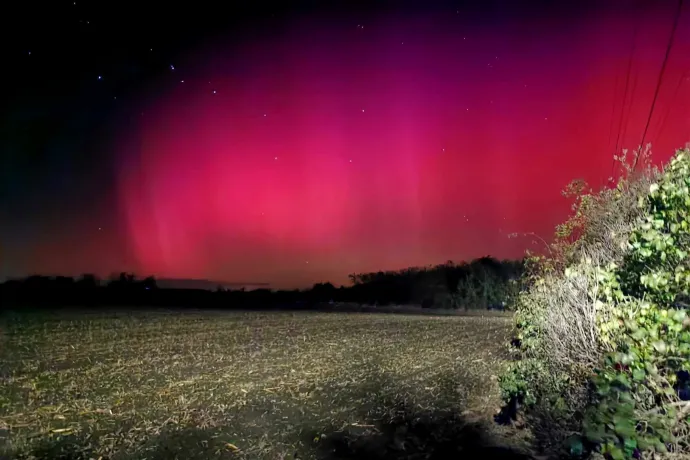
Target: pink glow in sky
point(333, 149)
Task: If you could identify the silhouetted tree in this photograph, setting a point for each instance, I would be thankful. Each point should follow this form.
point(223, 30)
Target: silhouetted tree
point(149, 283)
point(480, 283)
point(88, 281)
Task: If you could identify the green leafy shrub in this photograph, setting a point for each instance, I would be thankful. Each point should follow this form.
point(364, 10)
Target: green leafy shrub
point(585, 376)
point(638, 405)
point(557, 347)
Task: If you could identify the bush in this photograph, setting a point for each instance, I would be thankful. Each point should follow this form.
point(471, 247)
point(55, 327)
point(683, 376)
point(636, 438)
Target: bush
point(603, 346)
point(601, 222)
point(641, 396)
point(557, 349)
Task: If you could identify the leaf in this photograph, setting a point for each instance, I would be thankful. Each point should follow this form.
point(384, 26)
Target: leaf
point(624, 427)
point(630, 444)
point(660, 447)
point(646, 442)
point(660, 346)
point(616, 453)
point(679, 316)
point(593, 431)
point(639, 375)
point(639, 334)
point(622, 380)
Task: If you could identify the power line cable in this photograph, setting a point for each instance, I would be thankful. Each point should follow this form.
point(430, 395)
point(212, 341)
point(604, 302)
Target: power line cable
point(661, 75)
point(662, 124)
point(626, 124)
point(625, 96)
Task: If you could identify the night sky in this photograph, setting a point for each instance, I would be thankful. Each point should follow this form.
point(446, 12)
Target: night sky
point(294, 145)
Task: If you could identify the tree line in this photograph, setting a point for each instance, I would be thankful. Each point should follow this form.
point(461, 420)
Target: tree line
point(483, 283)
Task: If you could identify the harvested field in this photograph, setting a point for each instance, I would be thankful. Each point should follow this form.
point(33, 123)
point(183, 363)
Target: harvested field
point(197, 384)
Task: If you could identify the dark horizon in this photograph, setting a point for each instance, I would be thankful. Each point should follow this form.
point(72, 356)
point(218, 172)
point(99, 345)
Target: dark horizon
point(166, 283)
point(206, 284)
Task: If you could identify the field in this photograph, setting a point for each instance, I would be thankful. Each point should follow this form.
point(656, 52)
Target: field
point(195, 384)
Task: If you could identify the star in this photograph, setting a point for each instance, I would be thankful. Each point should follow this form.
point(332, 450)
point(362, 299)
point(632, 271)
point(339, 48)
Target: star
point(100, 77)
point(214, 91)
point(275, 158)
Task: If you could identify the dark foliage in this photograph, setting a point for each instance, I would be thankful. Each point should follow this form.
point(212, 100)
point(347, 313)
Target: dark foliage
point(482, 283)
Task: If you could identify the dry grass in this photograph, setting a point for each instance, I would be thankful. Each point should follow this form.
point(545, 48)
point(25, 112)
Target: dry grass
point(244, 385)
point(571, 334)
